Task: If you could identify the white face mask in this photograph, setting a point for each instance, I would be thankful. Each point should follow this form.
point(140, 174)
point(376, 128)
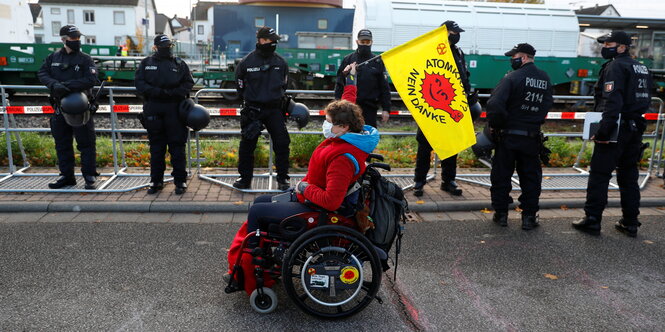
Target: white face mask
point(327, 129)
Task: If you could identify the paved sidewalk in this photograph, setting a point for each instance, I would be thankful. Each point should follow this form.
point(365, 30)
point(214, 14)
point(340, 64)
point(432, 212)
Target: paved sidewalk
point(203, 196)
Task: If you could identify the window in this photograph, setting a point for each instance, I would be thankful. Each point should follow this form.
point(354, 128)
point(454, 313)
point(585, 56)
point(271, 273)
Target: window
point(119, 18)
point(39, 39)
point(70, 16)
point(90, 40)
point(88, 16)
point(119, 40)
point(259, 21)
point(55, 11)
point(200, 29)
point(55, 26)
point(323, 24)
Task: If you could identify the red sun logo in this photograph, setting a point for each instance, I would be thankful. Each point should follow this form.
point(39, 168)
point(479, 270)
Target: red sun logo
point(438, 93)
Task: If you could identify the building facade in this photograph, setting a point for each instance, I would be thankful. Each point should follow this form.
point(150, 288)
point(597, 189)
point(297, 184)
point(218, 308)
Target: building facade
point(102, 22)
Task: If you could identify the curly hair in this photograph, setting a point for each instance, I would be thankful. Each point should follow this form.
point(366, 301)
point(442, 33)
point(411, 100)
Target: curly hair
point(343, 112)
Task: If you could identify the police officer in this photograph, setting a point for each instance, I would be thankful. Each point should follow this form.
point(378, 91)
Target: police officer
point(164, 81)
point(623, 90)
point(423, 157)
point(516, 109)
point(67, 71)
point(262, 78)
point(373, 88)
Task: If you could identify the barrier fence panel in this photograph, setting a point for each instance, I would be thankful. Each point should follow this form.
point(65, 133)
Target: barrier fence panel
point(121, 180)
point(23, 180)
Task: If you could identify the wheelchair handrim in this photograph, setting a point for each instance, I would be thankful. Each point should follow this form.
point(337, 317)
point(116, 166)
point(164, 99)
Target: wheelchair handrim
point(324, 250)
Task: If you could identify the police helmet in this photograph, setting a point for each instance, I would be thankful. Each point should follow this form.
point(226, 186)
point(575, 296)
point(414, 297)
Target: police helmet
point(193, 115)
point(75, 109)
point(475, 109)
point(484, 144)
point(299, 113)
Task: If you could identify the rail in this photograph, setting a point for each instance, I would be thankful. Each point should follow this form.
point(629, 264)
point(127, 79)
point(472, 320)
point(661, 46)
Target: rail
point(120, 165)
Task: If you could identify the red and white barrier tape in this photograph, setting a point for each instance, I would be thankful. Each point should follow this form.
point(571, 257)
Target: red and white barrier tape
point(236, 112)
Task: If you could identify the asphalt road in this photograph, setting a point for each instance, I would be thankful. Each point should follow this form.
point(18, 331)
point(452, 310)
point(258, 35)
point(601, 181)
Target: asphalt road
point(452, 275)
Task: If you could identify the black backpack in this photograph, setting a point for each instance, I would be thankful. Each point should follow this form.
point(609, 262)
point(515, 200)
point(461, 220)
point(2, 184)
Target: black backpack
point(387, 211)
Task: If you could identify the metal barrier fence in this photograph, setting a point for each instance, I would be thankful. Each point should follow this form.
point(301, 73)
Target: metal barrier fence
point(120, 180)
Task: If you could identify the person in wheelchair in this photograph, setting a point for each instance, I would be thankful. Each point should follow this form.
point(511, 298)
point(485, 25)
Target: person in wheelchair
point(336, 164)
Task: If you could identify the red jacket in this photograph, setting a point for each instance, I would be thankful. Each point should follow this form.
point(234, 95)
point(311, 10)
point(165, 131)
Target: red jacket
point(330, 173)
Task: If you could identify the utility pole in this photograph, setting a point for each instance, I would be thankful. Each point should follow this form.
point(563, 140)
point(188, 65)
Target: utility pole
point(147, 26)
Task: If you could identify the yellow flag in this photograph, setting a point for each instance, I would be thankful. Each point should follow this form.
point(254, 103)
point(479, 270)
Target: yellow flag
point(426, 77)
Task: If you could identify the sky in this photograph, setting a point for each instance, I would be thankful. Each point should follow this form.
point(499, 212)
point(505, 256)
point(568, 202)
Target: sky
point(627, 8)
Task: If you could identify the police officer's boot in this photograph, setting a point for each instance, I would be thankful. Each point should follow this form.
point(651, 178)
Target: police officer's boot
point(628, 227)
point(529, 222)
point(418, 189)
point(242, 183)
point(588, 224)
point(155, 187)
point(283, 184)
point(180, 188)
point(451, 187)
point(90, 181)
point(63, 181)
point(501, 218)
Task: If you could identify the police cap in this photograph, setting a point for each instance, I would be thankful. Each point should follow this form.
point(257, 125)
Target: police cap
point(162, 40)
point(452, 26)
point(267, 33)
point(70, 31)
point(618, 37)
point(522, 48)
point(364, 34)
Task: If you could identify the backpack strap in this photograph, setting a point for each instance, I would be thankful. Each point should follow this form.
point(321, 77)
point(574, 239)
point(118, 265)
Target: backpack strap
point(354, 162)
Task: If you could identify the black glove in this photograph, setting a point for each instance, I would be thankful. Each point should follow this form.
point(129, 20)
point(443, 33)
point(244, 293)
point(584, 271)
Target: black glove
point(60, 90)
point(179, 93)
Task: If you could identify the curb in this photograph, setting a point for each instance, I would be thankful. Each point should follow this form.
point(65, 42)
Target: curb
point(206, 207)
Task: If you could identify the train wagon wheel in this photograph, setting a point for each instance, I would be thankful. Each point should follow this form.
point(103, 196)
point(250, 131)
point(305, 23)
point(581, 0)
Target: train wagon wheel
point(229, 95)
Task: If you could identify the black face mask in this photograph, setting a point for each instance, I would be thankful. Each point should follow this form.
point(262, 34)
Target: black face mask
point(164, 52)
point(516, 63)
point(266, 49)
point(609, 52)
point(365, 51)
point(453, 39)
point(74, 45)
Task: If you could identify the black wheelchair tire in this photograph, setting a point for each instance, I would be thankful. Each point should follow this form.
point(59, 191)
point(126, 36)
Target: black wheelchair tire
point(359, 243)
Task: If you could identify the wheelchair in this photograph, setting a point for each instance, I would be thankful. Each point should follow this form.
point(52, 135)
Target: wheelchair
point(329, 269)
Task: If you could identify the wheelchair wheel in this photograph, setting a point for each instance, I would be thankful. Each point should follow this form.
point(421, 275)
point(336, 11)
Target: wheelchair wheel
point(265, 303)
point(331, 272)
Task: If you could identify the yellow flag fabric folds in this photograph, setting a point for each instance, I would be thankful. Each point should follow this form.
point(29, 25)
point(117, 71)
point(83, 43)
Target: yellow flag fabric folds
point(426, 77)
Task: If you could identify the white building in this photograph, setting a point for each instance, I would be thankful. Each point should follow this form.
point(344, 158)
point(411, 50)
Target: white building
point(202, 21)
point(16, 22)
point(588, 46)
point(102, 22)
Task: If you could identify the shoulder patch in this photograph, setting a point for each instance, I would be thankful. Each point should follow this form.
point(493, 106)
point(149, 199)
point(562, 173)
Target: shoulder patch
point(609, 86)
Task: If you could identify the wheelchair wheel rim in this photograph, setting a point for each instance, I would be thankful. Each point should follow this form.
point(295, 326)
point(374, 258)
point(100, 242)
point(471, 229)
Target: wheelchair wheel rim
point(311, 243)
point(305, 268)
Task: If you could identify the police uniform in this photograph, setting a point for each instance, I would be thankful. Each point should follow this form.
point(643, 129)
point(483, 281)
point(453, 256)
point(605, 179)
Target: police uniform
point(424, 153)
point(372, 82)
point(164, 81)
point(262, 78)
point(516, 110)
point(623, 91)
point(64, 73)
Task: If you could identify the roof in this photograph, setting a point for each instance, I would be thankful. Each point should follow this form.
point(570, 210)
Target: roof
point(595, 10)
point(200, 10)
point(620, 23)
point(162, 22)
point(35, 9)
